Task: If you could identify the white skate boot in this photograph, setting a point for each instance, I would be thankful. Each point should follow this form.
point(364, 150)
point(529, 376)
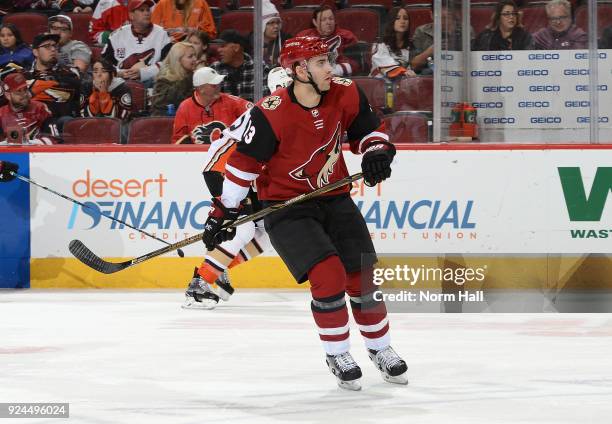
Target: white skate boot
point(199, 294)
point(391, 366)
point(346, 370)
point(224, 288)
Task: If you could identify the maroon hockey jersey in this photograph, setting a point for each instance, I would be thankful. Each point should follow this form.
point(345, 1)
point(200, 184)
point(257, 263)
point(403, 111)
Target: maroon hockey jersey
point(294, 149)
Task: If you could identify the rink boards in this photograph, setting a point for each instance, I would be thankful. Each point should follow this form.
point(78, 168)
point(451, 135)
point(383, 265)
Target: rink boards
point(532, 216)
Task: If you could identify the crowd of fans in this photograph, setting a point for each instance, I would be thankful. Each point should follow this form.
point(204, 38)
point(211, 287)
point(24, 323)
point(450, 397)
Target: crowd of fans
point(160, 45)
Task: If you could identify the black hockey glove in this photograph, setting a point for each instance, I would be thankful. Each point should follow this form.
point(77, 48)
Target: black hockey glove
point(5, 171)
point(219, 216)
point(376, 163)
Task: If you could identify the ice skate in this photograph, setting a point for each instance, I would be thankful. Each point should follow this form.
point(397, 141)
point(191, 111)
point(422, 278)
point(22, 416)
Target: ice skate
point(391, 366)
point(224, 288)
point(199, 294)
point(346, 370)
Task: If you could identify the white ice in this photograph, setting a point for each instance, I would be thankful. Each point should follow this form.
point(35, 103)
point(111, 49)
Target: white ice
point(137, 357)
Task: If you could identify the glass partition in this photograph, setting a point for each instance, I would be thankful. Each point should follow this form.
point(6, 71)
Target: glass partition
point(484, 71)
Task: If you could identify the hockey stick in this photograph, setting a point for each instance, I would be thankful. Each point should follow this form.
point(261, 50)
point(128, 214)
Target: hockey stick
point(82, 252)
point(63, 196)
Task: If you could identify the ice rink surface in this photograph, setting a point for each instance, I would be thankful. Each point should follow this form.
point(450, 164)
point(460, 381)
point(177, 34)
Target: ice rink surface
point(137, 357)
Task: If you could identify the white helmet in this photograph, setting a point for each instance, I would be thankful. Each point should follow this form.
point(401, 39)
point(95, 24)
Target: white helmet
point(277, 78)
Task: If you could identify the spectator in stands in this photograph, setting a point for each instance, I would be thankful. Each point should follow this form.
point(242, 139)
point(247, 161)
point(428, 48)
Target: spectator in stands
point(59, 87)
point(174, 82)
point(51, 6)
point(110, 96)
point(179, 16)
point(422, 40)
point(273, 37)
point(136, 49)
point(201, 118)
point(200, 41)
point(505, 32)
point(391, 58)
point(72, 52)
point(338, 39)
point(606, 39)
point(83, 6)
point(237, 66)
point(23, 119)
point(108, 16)
point(13, 49)
point(561, 32)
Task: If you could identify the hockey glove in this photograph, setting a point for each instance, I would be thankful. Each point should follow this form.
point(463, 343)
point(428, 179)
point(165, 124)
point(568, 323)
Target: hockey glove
point(376, 163)
point(5, 171)
point(219, 215)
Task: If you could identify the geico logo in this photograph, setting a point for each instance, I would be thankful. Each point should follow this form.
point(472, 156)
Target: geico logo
point(508, 120)
point(543, 56)
point(601, 87)
point(601, 55)
point(446, 89)
point(534, 104)
point(496, 57)
point(575, 72)
point(498, 89)
point(546, 120)
point(577, 103)
point(544, 88)
point(449, 104)
point(587, 119)
point(452, 73)
point(447, 56)
point(486, 73)
point(532, 72)
point(446, 120)
point(489, 105)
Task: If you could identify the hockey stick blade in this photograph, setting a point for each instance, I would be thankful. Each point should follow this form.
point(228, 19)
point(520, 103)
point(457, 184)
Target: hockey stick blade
point(89, 258)
point(82, 252)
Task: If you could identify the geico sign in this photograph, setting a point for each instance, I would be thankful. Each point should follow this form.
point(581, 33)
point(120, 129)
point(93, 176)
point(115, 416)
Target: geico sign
point(545, 120)
point(543, 104)
point(486, 73)
point(488, 105)
point(496, 57)
point(577, 103)
point(503, 120)
point(587, 119)
point(601, 55)
point(498, 89)
point(532, 72)
point(584, 87)
point(543, 56)
point(574, 72)
point(544, 88)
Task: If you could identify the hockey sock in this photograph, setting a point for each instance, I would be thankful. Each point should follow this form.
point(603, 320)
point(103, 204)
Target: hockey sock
point(370, 314)
point(220, 259)
point(327, 283)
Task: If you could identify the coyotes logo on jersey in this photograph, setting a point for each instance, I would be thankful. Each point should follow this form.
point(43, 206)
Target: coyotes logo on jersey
point(320, 166)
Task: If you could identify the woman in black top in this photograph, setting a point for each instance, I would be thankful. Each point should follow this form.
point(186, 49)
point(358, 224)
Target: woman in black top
point(505, 32)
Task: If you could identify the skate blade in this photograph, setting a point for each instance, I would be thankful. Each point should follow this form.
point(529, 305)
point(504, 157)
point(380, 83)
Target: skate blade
point(353, 385)
point(192, 304)
point(398, 379)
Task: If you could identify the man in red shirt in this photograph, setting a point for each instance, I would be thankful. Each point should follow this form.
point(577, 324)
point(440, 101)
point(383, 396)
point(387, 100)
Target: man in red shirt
point(290, 143)
point(22, 119)
point(201, 118)
point(338, 39)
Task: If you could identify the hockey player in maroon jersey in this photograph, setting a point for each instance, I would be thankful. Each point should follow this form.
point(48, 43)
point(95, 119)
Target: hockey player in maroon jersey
point(291, 144)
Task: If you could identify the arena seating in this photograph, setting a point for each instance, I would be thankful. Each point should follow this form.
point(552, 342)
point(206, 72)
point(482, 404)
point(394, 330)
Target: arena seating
point(374, 89)
point(30, 24)
point(407, 127)
point(150, 130)
point(414, 94)
point(362, 22)
point(92, 131)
